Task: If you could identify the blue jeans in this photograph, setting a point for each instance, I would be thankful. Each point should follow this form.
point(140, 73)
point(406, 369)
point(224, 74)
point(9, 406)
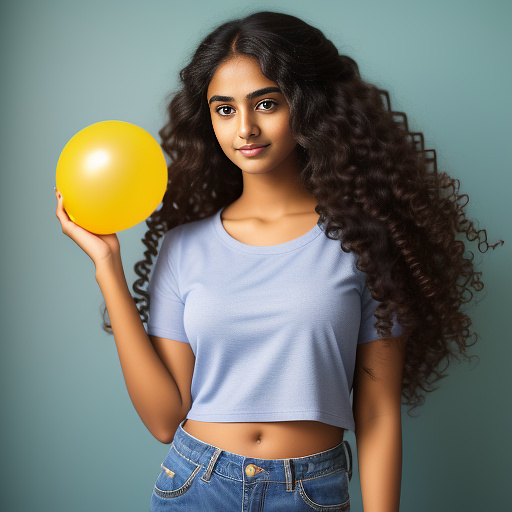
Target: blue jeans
point(197, 476)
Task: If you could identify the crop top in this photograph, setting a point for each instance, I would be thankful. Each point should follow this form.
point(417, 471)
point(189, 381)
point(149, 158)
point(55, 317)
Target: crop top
point(274, 329)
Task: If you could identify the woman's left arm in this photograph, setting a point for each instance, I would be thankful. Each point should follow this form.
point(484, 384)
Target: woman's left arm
point(377, 414)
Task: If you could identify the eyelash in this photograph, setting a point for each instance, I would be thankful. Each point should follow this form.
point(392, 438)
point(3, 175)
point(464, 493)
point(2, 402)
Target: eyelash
point(218, 109)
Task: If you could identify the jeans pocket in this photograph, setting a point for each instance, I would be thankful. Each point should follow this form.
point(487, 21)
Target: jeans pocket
point(326, 493)
point(176, 476)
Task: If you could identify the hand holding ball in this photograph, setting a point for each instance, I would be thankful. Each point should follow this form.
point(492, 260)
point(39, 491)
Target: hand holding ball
point(112, 175)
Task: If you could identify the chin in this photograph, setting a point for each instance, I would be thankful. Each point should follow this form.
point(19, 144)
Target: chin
point(255, 170)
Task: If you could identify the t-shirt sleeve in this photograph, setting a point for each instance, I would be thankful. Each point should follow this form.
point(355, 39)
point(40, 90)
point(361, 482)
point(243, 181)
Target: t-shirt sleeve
point(166, 306)
point(367, 331)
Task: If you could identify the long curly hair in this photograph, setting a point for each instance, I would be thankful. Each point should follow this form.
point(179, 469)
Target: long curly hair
point(377, 188)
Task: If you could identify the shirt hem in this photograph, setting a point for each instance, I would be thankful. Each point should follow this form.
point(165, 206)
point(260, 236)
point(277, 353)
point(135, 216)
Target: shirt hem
point(323, 417)
point(162, 333)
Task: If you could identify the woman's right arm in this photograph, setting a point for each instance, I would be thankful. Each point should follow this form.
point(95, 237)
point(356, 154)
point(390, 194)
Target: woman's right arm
point(152, 389)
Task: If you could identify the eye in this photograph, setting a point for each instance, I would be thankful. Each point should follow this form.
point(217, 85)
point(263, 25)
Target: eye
point(267, 104)
point(224, 110)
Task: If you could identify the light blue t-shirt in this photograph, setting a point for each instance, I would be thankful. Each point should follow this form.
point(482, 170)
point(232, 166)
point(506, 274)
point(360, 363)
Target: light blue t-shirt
point(274, 329)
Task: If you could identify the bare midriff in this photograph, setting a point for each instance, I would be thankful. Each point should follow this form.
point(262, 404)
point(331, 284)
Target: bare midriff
point(270, 440)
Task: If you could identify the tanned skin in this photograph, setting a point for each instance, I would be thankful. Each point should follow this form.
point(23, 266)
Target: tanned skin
point(273, 208)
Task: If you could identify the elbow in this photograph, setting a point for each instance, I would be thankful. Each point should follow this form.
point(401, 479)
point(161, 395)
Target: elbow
point(165, 433)
point(164, 438)
point(372, 411)
point(384, 420)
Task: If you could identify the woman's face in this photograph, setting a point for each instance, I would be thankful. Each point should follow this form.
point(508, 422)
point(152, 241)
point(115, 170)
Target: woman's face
point(248, 110)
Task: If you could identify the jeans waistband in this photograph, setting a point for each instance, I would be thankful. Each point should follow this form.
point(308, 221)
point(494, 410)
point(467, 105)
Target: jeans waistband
point(241, 468)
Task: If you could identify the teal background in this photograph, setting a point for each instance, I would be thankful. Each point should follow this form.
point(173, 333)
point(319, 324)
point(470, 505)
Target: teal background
point(70, 437)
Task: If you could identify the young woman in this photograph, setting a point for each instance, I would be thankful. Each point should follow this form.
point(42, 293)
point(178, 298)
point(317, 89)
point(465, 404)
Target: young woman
point(308, 249)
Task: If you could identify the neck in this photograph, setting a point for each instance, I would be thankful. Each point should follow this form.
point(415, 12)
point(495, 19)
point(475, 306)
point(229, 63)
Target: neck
point(274, 194)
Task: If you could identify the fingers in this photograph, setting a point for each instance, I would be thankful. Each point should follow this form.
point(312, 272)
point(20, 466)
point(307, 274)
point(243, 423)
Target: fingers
point(97, 247)
point(69, 228)
point(67, 224)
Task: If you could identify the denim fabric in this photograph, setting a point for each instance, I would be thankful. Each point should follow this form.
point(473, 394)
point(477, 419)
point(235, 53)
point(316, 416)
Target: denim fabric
point(196, 476)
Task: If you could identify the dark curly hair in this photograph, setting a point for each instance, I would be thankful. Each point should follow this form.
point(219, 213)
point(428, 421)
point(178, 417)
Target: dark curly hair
point(377, 189)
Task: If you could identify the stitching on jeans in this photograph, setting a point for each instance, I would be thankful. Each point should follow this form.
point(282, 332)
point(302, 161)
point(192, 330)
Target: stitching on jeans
point(342, 470)
point(316, 506)
point(263, 493)
point(348, 457)
point(288, 475)
point(180, 490)
point(211, 465)
point(183, 457)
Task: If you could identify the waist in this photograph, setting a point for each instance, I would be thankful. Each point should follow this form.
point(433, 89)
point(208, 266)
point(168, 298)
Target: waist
point(266, 440)
point(238, 467)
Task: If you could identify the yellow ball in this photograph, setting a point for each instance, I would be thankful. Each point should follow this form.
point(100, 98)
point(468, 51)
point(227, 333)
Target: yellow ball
point(112, 175)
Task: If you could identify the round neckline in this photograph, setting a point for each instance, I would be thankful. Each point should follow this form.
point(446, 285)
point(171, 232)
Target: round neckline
point(264, 249)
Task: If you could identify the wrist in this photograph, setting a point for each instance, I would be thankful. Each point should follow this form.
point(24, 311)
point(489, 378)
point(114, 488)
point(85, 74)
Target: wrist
point(112, 264)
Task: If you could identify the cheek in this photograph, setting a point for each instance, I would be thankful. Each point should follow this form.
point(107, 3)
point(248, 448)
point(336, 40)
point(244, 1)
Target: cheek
point(225, 140)
point(220, 134)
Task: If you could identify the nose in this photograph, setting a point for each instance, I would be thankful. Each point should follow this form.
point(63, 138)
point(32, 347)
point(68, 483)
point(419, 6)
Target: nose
point(247, 126)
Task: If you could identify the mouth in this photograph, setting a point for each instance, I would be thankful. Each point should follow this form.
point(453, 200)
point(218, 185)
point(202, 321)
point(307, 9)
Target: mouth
point(252, 149)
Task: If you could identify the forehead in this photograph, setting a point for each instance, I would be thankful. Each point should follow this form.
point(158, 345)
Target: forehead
point(237, 77)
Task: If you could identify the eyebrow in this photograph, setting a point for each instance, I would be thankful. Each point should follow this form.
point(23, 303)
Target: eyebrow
point(250, 96)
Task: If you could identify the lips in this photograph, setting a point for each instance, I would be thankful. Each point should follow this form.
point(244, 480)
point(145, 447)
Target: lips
point(253, 146)
point(252, 149)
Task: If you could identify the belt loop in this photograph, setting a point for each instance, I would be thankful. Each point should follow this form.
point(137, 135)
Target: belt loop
point(289, 473)
point(348, 457)
point(213, 460)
